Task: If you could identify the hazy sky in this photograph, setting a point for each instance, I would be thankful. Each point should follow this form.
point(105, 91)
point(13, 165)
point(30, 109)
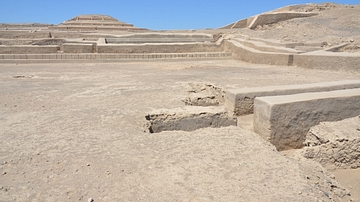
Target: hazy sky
point(151, 14)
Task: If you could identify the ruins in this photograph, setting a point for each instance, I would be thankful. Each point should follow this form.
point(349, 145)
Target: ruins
point(269, 104)
point(93, 23)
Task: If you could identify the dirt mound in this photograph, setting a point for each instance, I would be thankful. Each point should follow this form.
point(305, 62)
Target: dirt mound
point(314, 7)
point(334, 24)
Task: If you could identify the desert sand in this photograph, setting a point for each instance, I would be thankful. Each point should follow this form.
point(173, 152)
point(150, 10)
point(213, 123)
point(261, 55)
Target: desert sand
point(75, 131)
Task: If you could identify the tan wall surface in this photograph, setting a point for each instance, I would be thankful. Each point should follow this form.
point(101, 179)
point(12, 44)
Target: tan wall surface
point(270, 18)
point(243, 53)
point(163, 48)
point(329, 61)
point(24, 49)
point(241, 101)
point(285, 120)
point(77, 48)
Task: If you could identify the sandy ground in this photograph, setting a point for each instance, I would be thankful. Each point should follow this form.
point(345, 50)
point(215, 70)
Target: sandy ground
point(71, 132)
point(351, 180)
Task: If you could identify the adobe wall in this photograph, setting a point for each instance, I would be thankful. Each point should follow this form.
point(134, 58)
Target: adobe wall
point(165, 35)
point(244, 23)
point(159, 48)
point(261, 46)
point(285, 120)
point(123, 40)
point(189, 119)
point(270, 18)
point(329, 61)
point(240, 24)
point(240, 52)
point(266, 18)
point(241, 101)
point(28, 49)
point(103, 57)
point(77, 48)
point(228, 26)
point(111, 48)
point(335, 61)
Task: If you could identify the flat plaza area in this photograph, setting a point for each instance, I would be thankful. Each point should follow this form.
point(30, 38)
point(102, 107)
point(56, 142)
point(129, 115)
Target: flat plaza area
point(75, 131)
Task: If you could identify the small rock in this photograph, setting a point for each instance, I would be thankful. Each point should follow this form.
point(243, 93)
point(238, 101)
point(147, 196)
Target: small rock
point(299, 192)
point(358, 128)
point(90, 200)
point(88, 164)
point(4, 173)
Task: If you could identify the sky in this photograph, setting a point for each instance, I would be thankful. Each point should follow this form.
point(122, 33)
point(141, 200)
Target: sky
point(150, 14)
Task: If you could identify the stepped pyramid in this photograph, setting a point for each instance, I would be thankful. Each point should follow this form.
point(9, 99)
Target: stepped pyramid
point(94, 23)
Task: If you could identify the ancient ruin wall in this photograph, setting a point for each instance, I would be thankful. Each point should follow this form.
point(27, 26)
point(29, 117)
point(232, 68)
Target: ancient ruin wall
point(163, 48)
point(28, 49)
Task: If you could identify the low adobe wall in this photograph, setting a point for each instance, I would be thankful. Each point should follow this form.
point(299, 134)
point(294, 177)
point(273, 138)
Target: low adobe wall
point(103, 57)
point(328, 61)
point(266, 18)
point(241, 101)
point(285, 120)
point(189, 119)
point(78, 48)
point(251, 55)
point(270, 18)
point(262, 46)
point(239, 24)
point(159, 48)
point(124, 40)
point(28, 49)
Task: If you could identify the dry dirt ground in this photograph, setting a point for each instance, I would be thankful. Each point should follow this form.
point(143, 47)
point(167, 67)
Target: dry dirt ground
point(351, 180)
point(73, 131)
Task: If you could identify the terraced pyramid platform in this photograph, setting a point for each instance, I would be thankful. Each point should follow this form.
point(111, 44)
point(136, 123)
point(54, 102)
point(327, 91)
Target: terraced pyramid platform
point(93, 23)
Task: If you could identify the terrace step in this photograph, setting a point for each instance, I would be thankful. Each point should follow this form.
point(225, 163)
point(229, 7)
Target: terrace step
point(107, 56)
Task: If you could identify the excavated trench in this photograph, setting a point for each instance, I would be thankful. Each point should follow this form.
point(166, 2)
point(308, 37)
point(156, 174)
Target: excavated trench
point(203, 109)
point(335, 145)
